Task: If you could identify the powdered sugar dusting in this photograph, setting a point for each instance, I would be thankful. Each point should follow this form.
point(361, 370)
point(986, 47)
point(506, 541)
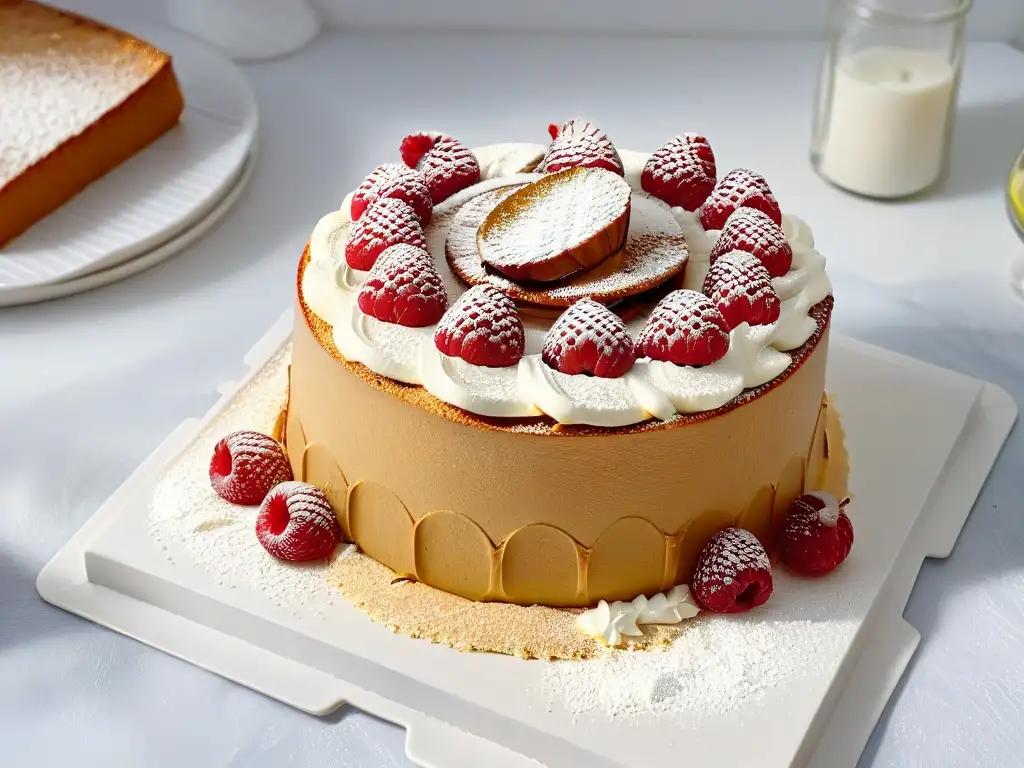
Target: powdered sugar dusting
point(482, 327)
point(681, 172)
point(655, 251)
point(387, 222)
point(597, 393)
point(741, 288)
point(739, 188)
point(187, 516)
point(398, 342)
point(397, 181)
point(684, 328)
point(404, 287)
point(248, 465)
point(551, 217)
point(751, 230)
point(448, 167)
point(719, 665)
point(589, 338)
point(496, 383)
point(296, 522)
point(581, 144)
point(57, 77)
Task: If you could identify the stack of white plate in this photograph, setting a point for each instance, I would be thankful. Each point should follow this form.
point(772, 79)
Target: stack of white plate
point(155, 204)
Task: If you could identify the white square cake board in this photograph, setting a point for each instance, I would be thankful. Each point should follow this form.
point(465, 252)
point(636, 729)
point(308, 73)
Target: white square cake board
point(921, 441)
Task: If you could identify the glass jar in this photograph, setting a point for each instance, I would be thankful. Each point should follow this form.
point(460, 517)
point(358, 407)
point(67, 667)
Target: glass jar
point(887, 95)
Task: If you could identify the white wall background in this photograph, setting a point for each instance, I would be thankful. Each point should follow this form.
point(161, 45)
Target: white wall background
point(989, 20)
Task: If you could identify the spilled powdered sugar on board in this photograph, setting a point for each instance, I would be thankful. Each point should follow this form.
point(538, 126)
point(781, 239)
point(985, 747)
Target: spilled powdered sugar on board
point(719, 663)
point(188, 517)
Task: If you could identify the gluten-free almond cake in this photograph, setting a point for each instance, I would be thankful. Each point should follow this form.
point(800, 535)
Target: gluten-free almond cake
point(566, 375)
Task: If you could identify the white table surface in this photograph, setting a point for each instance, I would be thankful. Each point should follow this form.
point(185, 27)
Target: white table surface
point(90, 385)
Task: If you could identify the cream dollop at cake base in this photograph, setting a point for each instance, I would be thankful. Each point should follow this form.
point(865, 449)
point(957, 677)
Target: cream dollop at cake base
point(488, 511)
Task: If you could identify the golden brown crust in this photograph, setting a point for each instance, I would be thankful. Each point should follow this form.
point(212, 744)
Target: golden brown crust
point(145, 115)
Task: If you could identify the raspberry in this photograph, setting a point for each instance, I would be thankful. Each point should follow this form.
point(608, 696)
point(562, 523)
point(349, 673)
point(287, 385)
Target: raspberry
point(483, 328)
point(388, 221)
point(394, 180)
point(752, 231)
point(733, 573)
point(741, 288)
point(816, 534)
point(296, 522)
point(681, 172)
point(446, 164)
point(739, 188)
point(404, 287)
point(579, 143)
point(246, 465)
point(589, 338)
point(685, 328)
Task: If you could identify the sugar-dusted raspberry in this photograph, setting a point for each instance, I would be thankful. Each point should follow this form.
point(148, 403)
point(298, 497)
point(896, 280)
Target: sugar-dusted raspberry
point(685, 328)
point(741, 288)
point(246, 465)
point(753, 231)
point(394, 180)
point(681, 172)
point(739, 188)
point(447, 165)
point(297, 522)
point(589, 338)
point(483, 328)
point(733, 573)
point(388, 221)
point(816, 534)
point(404, 288)
point(580, 144)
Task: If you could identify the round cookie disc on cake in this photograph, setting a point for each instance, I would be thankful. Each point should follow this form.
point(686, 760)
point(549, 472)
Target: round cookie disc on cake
point(558, 225)
point(653, 253)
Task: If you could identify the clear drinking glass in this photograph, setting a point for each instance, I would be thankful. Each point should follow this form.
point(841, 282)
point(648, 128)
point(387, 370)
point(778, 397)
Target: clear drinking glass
point(886, 101)
point(1015, 207)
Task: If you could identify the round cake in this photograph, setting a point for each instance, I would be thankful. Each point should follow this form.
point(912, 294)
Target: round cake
point(549, 374)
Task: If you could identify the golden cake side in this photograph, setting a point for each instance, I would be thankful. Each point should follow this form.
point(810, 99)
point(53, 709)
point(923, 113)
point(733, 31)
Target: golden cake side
point(80, 98)
point(556, 517)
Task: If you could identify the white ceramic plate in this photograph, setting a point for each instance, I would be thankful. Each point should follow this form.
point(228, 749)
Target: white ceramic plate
point(32, 294)
point(154, 196)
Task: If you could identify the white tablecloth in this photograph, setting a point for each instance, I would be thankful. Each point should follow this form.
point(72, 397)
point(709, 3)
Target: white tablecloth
point(90, 385)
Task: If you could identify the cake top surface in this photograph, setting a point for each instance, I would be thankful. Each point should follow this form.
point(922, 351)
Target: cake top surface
point(709, 285)
point(59, 74)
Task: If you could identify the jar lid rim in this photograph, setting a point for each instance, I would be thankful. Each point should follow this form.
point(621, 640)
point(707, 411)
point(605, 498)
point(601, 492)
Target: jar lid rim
point(871, 9)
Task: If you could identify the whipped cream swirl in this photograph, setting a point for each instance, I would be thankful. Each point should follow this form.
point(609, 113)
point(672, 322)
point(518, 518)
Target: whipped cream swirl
point(652, 389)
point(612, 623)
